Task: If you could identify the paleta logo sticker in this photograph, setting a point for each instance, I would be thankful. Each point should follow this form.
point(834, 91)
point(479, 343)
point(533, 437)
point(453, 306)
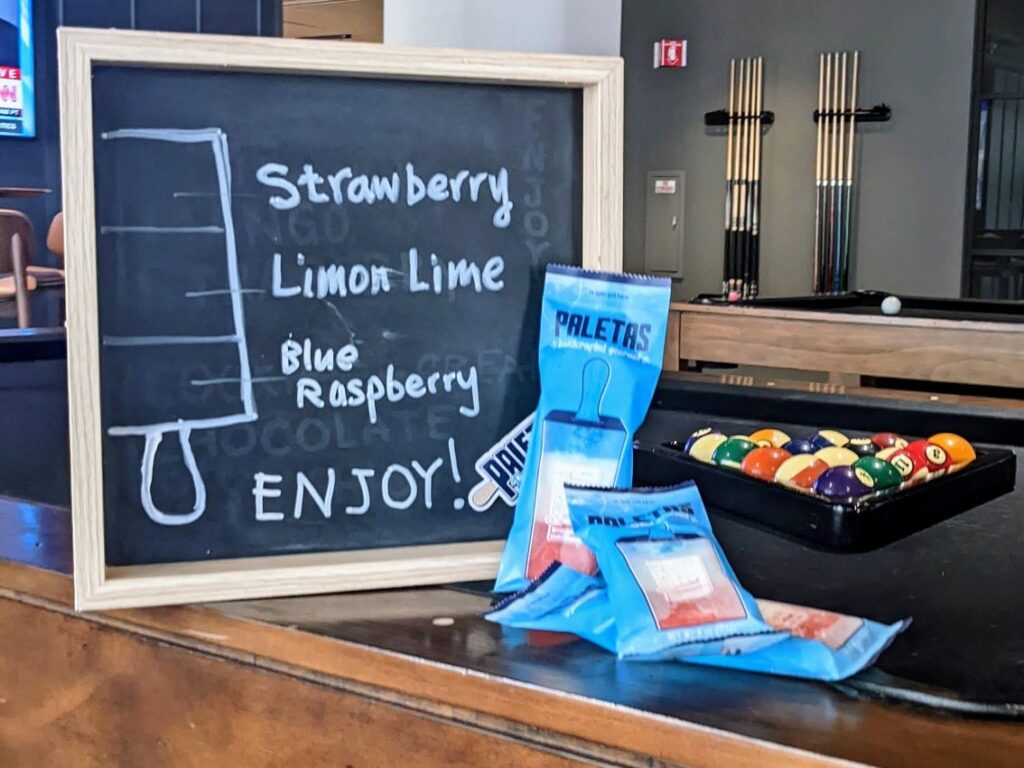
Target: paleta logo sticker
point(501, 468)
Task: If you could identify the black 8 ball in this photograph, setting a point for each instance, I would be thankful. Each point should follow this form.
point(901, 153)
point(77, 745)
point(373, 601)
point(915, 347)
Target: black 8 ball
point(862, 446)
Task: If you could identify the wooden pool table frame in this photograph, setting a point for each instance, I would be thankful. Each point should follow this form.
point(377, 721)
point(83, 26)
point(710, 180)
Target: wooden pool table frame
point(974, 352)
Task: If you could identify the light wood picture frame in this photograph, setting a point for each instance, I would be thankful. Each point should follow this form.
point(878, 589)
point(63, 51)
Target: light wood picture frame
point(99, 586)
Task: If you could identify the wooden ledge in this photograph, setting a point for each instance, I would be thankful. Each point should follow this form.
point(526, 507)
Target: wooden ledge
point(538, 692)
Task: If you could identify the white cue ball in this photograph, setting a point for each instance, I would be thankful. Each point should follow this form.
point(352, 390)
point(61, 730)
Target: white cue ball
point(891, 305)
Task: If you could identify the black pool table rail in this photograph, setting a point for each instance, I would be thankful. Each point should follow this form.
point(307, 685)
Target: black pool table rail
point(870, 300)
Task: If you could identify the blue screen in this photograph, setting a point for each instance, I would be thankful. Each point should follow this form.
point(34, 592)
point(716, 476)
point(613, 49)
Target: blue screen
point(17, 70)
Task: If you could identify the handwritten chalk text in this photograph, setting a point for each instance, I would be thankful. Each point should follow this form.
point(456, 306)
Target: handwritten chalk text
point(398, 486)
point(425, 274)
point(345, 186)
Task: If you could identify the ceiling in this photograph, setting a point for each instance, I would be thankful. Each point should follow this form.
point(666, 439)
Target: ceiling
point(363, 20)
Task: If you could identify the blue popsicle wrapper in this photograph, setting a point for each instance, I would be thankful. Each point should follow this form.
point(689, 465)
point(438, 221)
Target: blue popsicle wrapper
point(822, 645)
point(670, 586)
point(790, 640)
point(601, 343)
point(561, 600)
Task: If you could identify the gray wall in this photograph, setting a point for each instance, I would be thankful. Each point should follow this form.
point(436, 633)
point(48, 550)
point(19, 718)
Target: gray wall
point(915, 55)
point(548, 26)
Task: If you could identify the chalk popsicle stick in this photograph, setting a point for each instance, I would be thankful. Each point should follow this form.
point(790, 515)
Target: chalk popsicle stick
point(482, 495)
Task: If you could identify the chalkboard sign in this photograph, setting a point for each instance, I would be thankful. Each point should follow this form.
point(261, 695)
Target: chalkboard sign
point(304, 293)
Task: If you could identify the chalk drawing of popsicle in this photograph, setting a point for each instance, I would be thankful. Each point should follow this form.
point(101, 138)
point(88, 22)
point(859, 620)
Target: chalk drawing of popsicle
point(155, 432)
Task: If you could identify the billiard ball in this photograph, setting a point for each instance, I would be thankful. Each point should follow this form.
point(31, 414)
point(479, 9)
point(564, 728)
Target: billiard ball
point(891, 305)
point(800, 471)
point(763, 462)
point(888, 440)
point(839, 482)
point(935, 456)
point(826, 437)
point(835, 456)
point(910, 464)
point(732, 452)
point(799, 445)
point(702, 432)
point(877, 474)
point(886, 453)
point(703, 448)
point(771, 438)
point(862, 446)
point(960, 451)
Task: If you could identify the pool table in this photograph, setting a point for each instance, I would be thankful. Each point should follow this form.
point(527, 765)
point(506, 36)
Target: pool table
point(955, 577)
point(949, 341)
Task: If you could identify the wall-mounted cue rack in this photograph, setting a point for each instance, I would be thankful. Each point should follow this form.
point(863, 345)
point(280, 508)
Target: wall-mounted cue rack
point(744, 121)
point(880, 113)
point(837, 116)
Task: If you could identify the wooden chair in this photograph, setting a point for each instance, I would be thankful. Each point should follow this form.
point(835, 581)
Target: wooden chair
point(55, 236)
point(16, 244)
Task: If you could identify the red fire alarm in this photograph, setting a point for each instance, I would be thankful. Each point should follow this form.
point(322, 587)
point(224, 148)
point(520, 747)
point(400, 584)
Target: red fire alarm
point(670, 53)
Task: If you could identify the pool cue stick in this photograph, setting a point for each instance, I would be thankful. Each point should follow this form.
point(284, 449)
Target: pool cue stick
point(832, 126)
point(738, 187)
point(830, 186)
point(837, 135)
point(749, 212)
point(826, 233)
point(816, 262)
point(734, 214)
point(741, 79)
point(848, 223)
point(742, 174)
point(837, 268)
point(827, 220)
point(755, 184)
point(730, 121)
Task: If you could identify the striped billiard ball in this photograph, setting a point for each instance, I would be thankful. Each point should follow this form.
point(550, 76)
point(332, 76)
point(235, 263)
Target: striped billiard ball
point(800, 471)
point(910, 464)
point(703, 448)
point(702, 432)
point(835, 456)
point(824, 438)
point(770, 438)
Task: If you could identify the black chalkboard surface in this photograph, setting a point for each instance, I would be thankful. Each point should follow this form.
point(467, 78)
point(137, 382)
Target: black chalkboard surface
point(303, 299)
point(318, 303)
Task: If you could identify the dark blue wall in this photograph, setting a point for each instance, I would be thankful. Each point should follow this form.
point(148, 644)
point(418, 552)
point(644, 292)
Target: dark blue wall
point(36, 162)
